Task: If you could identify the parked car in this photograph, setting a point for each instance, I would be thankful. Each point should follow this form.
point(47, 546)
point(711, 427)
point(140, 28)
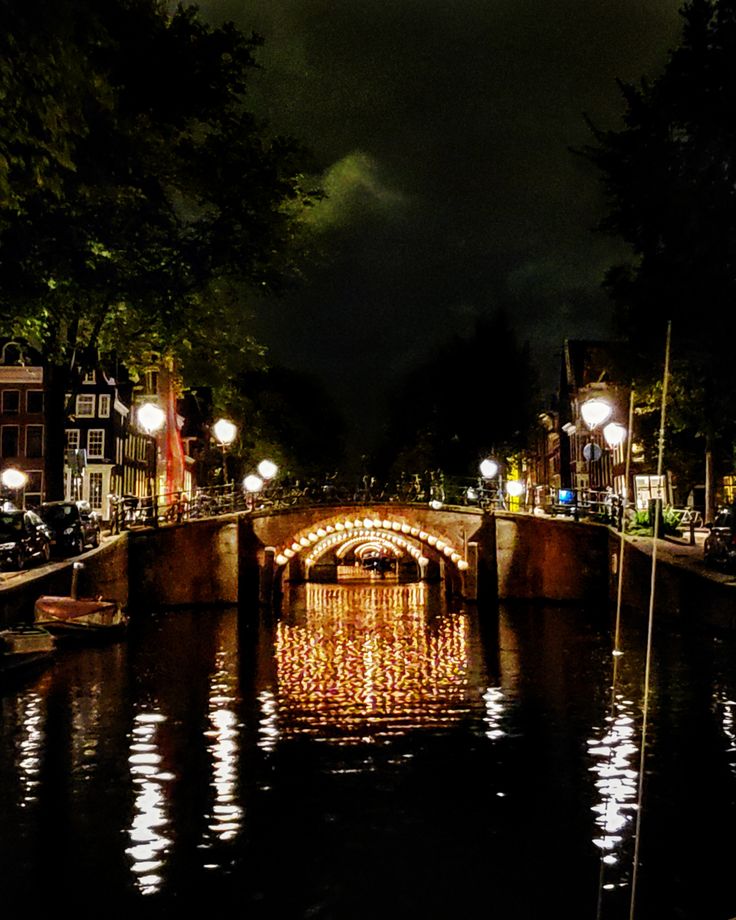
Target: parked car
point(73, 526)
point(720, 545)
point(24, 537)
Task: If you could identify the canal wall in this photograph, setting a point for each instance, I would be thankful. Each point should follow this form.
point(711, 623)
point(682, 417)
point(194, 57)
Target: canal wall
point(221, 560)
point(683, 592)
point(105, 574)
point(548, 559)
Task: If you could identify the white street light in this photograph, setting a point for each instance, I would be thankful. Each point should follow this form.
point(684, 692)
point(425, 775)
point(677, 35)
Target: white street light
point(614, 433)
point(252, 483)
point(267, 469)
point(151, 418)
point(595, 412)
point(13, 479)
point(514, 488)
point(488, 469)
point(225, 431)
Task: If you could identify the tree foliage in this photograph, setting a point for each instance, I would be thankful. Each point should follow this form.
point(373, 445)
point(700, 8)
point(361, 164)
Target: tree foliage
point(670, 180)
point(141, 204)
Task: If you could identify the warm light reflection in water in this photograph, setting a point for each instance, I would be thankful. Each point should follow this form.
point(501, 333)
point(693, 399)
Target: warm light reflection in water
point(726, 708)
point(225, 818)
point(616, 759)
point(149, 846)
point(368, 660)
point(31, 744)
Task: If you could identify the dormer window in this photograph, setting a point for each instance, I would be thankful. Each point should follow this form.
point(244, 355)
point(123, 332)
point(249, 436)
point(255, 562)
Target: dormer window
point(89, 377)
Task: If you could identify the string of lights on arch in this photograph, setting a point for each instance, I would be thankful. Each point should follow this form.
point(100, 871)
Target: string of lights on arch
point(397, 533)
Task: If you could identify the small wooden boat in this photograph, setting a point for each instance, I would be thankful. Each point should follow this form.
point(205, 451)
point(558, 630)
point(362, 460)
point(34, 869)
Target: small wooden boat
point(24, 649)
point(73, 615)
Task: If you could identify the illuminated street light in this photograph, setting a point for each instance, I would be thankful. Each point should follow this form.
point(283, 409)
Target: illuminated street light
point(151, 418)
point(225, 432)
point(14, 480)
point(595, 412)
point(488, 469)
point(252, 485)
point(514, 488)
point(267, 469)
point(614, 433)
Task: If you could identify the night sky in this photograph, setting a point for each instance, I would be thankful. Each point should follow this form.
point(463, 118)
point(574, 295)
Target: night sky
point(443, 128)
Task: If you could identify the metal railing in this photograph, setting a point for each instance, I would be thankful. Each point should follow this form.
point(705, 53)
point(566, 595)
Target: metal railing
point(435, 490)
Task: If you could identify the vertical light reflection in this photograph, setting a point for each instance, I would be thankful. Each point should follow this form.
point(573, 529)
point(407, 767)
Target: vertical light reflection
point(268, 724)
point(727, 712)
point(495, 703)
point(149, 846)
point(615, 757)
point(225, 818)
point(368, 660)
point(30, 746)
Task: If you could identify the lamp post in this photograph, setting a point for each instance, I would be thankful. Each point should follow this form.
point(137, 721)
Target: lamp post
point(152, 419)
point(14, 480)
point(252, 485)
point(595, 412)
point(225, 432)
point(489, 469)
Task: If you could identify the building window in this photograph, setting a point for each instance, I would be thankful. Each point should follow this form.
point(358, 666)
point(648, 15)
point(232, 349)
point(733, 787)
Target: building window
point(96, 443)
point(104, 406)
point(72, 438)
point(34, 441)
point(11, 402)
point(95, 491)
point(9, 441)
point(34, 488)
point(89, 377)
point(85, 405)
point(34, 402)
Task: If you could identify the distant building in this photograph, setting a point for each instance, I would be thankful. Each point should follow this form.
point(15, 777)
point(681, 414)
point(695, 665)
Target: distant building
point(22, 429)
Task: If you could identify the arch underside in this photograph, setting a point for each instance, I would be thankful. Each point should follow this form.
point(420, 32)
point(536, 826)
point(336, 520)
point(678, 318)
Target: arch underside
point(395, 536)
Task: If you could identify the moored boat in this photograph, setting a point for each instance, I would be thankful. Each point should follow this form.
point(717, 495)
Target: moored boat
point(70, 615)
point(24, 648)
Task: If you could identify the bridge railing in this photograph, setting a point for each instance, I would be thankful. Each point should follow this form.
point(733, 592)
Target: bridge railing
point(129, 511)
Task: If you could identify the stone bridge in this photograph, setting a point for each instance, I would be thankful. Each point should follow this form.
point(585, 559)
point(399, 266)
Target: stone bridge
point(308, 543)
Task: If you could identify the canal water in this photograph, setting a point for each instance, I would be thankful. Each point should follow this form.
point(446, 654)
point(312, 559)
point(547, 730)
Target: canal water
point(372, 753)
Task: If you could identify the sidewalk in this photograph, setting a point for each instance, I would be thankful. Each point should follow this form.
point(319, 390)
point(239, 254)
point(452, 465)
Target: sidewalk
point(678, 551)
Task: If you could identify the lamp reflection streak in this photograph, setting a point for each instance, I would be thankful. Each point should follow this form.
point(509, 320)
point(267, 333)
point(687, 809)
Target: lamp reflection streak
point(225, 818)
point(368, 658)
point(615, 752)
point(149, 846)
point(30, 746)
point(727, 710)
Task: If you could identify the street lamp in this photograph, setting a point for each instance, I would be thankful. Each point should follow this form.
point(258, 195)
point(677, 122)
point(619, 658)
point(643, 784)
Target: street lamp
point(488, 470)
point(252, 485)
point(267, 469)
point(151, 418)
point(14, 480)
point(225, 432)
point(615, 434)
point(595, 411)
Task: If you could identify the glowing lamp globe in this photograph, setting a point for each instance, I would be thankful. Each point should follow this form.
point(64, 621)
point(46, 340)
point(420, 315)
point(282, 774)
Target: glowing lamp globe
point(514, 488)
point(224, 431)
point(488, 469)
point(595, 412)
point(267, 469)
point(13, 479)
point(614, 433)
point(151, 418)
point(435, 504)
point(252, 483)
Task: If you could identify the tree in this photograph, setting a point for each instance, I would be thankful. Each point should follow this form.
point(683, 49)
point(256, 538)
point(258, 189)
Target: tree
point(670, 180)
point(142, 204)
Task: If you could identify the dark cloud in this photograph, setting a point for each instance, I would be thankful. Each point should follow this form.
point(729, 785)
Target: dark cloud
point(444, 132)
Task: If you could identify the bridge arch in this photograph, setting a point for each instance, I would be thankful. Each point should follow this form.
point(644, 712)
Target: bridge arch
point(337, 530)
